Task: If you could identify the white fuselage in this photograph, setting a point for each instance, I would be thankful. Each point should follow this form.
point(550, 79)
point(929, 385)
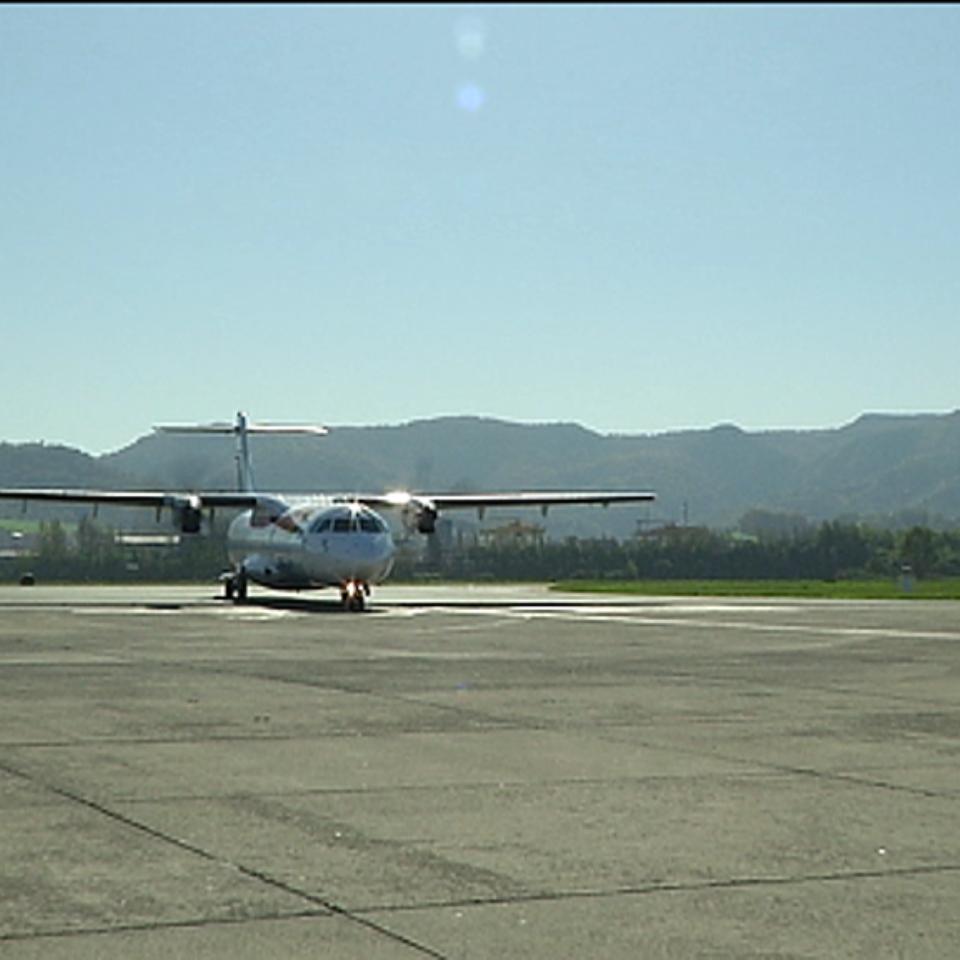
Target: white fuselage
point(310, 545)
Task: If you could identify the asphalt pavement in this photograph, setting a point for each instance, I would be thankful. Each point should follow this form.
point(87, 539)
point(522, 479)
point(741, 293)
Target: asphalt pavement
point(476, 772)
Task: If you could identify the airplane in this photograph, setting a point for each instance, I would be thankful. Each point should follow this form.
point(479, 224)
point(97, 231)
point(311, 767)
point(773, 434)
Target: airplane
point(302, 542)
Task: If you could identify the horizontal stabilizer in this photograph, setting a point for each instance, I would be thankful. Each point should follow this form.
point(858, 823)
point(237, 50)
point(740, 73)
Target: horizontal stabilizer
point(231, 429)
point(241, 428)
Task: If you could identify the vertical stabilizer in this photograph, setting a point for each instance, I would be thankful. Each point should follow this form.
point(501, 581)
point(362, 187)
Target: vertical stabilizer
point(244, 463)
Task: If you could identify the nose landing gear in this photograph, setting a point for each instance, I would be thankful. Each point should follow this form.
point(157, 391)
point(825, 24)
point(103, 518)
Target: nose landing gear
point(235, 586)
point(353, 595)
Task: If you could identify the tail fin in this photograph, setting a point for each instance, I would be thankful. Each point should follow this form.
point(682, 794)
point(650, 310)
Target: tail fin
point(241, 429)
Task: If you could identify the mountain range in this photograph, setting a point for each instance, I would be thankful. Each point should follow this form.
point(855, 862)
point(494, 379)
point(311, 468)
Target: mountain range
point(879, 467)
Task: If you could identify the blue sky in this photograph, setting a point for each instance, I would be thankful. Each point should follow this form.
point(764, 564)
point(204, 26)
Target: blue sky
point(636, 218)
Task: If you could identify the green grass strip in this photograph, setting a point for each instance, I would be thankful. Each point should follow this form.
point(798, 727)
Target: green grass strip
point(945, 589)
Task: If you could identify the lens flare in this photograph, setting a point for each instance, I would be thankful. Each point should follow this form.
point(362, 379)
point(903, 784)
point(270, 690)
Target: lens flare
point(471, 38)
point(470, 97)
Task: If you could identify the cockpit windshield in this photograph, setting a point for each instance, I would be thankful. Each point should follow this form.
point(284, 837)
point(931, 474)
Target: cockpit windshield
point(345, 520)
point(371, 523)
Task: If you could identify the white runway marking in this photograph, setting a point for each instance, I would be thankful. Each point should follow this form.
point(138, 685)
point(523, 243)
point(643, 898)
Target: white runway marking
point(693, 615)
point(124, 611)
point(257, 616)
point(618, 615)
point(750, 626)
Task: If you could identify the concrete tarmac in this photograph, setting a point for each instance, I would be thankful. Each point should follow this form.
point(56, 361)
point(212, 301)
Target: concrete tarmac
point(476, 772)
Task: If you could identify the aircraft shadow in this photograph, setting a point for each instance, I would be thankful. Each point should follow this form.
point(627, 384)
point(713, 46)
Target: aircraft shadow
point(299, 604)
point(292, 604)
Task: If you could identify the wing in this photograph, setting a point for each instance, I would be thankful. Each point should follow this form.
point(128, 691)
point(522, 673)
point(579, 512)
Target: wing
point(546, 498)
point(130, 498)
point(447, 501)
point(186, 508)
point(422, 509)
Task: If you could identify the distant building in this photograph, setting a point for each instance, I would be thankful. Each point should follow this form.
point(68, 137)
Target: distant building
point(14, 543)
point(516, 533)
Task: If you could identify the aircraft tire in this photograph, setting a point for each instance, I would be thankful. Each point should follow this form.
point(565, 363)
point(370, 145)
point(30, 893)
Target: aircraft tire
point(353, 601)
point(240, 587)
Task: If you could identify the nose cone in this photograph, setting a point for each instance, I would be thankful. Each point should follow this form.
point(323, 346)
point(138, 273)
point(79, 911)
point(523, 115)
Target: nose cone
point(366, 558)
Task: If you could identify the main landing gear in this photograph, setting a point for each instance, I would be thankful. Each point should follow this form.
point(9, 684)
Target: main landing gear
point(353, 595)
point(235, 586)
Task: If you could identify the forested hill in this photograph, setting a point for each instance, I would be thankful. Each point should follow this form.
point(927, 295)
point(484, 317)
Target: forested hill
point(875, 467)
point(53, 465)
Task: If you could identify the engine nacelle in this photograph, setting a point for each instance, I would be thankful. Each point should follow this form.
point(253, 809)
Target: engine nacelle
point(188, 514)
point(427, 520)
point(420, 515)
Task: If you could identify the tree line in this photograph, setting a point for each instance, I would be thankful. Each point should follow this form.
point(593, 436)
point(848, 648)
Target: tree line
point(829, 551)
point(832, 550)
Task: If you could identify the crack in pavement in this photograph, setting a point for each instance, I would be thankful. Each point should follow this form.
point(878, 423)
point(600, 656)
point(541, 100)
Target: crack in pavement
point(330, 907)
